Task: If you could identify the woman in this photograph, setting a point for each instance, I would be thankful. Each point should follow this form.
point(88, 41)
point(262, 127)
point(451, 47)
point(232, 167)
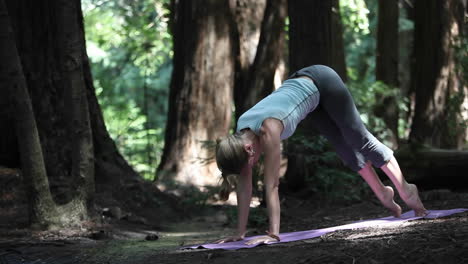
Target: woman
point(318, 92)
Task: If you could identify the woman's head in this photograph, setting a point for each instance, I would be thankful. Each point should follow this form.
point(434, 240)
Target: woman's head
point(230, 154)
point(233, 153)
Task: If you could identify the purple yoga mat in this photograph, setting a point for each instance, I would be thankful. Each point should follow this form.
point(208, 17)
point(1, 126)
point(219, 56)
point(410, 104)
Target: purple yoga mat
point(301, 235)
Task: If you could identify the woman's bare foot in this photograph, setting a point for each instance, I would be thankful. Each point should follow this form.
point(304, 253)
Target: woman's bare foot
point(411, 198)
point(386, 198)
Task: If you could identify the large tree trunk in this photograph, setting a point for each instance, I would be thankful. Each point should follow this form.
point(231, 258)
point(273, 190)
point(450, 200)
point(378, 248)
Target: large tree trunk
point(255, 71)
point(200, 92)
point(246, 24)
point(75, 145)
point(82, 153)
point(386, 69)
point(315, 37)
point(437, 81)
point(41, 205)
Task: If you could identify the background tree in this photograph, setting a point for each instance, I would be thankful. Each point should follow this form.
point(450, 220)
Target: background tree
point(315, 37)
point(254, 48)
point(437, 80)
point(76, 148)
point(259, 55)
point(386, 69)
point(201, 90)
point(247, 17)
point(42, 208)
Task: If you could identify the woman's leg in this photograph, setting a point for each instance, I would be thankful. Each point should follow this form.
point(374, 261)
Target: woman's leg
point(408, 192)
point(337, 101)
point(384, 193)
point(353, 159)
point(321, 121)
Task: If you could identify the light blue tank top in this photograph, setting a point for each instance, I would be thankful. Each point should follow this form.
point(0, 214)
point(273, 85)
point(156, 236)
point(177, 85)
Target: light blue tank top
point(290, 104)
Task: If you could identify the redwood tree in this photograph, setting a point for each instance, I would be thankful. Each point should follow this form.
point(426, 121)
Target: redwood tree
point(71, 150)
point(437, 80)
point(200, 91)
point(243, 43)
point(386, 69)
point(42, 208)
point(315, 37)
point(258, 57)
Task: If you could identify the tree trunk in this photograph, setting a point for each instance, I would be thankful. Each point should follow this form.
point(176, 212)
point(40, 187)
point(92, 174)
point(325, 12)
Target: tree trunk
point(200, 92)
point(246, 25)
point(82, 153)
point(42, 208)
point(74, 142)
point(386, 69)
point(255, 72)
point(437, 81)
point(315, 37)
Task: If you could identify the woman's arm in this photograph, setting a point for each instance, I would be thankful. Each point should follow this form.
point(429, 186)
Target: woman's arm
point(272, 149)
point(271, 144)
point(244, 195)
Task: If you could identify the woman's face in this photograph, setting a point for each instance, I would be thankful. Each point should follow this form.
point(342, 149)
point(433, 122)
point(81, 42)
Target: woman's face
point(258, 150)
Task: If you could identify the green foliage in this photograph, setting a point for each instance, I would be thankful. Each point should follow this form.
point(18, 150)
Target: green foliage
point(359, 27)
point(130, 49)
point(126, 124)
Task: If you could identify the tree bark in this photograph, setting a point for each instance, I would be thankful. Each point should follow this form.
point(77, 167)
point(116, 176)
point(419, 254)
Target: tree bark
point(436, 80)
point(76, 148)
point(255, 74)
point(315, 35)
point(42, 208)
point(245, 26)
point(386, 69)
point(82, 152)
point(200, 91)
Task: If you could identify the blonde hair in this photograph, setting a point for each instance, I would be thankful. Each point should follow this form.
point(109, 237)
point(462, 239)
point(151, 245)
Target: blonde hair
point(230, 157)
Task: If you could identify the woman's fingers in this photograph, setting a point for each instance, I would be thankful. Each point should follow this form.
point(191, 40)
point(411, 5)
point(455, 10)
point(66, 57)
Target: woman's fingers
point(220, 241)
point(259, 240)
point(229, 239)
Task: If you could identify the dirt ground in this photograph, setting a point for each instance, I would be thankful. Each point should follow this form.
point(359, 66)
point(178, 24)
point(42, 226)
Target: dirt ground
point(443, 240)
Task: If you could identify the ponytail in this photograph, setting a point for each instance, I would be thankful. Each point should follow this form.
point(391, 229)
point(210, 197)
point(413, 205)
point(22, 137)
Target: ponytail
point(227, 186)
point(230, 157)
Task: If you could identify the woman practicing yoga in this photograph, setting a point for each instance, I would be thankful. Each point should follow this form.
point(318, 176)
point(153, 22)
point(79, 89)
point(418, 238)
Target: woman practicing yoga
point(318, 92)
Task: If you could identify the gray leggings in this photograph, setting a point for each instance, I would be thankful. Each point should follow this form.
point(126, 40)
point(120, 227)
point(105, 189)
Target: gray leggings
point(337, 118)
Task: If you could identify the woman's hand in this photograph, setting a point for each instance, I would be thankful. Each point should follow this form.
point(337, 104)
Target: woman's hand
point(229, 239)
point(261, 240)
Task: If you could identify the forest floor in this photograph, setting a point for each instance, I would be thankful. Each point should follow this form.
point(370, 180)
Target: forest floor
point(443, 240)
point(125, 238)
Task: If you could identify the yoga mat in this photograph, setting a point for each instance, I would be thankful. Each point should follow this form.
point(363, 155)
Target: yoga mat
point(301, 235)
